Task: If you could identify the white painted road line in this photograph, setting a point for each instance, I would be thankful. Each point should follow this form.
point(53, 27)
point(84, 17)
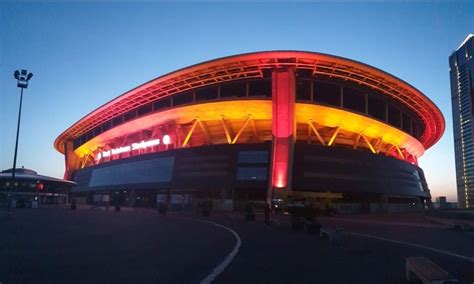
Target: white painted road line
point(413, 245)
point(218, 270)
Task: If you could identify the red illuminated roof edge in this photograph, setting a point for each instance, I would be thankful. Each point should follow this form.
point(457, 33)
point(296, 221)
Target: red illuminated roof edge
point(429, 141)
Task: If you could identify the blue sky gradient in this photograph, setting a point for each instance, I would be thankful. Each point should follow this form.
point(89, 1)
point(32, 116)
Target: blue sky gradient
point(83, 55)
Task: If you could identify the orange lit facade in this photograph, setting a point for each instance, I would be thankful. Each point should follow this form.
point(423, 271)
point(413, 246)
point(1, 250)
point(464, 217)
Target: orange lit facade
point(251, 126)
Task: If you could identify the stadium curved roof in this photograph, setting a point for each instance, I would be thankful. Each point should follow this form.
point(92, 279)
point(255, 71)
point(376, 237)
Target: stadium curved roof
point(252, 65)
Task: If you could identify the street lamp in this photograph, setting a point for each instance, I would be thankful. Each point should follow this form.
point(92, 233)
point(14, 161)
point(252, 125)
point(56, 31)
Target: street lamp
point(22, 78)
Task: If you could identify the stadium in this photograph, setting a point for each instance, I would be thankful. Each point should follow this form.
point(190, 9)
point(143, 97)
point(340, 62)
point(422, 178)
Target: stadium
point(255, 126)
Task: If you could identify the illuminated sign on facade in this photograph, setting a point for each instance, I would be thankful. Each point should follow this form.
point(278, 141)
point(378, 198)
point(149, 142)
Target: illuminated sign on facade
point(135, 146)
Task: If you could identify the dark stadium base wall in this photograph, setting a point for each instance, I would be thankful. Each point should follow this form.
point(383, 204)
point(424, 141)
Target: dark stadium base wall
point(225, 172)
point(235, 174)
point(356, 173)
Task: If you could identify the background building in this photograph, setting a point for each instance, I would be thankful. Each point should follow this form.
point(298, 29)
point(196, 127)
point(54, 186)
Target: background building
point(461, 71)
point(252, 126)
point(442, 203)
point(28, 186)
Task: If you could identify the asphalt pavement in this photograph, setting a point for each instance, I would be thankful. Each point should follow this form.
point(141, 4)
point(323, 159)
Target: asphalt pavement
point(64, 246)
point(85, 246)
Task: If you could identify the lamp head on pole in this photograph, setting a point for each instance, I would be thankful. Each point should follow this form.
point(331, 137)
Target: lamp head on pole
point(22, 78)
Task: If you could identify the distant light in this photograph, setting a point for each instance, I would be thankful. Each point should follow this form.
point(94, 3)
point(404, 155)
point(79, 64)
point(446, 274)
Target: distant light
point(166, 139)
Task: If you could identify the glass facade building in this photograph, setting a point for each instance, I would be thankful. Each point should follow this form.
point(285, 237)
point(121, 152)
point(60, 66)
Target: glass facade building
point(461, 71)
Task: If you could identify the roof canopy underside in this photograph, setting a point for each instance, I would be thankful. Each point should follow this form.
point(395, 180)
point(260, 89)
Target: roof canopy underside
point(252, 65)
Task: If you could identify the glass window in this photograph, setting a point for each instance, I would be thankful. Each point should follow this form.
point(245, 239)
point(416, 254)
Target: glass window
point(304, 73)
point(394, 117)
point(303, 90)
point(406, 123)
point(181, 99)
point(415, 129)
point(238, 89)
point(82, 139)
point(206, 94)
point(117, 120)
point(162, 104)
point(327, 93)
point(130, 115)
point(376, 108)
point(106, 125)
point(150, 171)
point(252, 173)
point(88, 137)
point(260, 88)
point(418, 180)
point(97, 131)
point(77, 143)
point(82, 177)
point(417, 175)
point(353, 99)
point(144, 109)
point(253, 157)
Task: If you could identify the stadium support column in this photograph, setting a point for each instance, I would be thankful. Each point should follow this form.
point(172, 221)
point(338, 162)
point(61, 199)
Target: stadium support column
point(283, 124)
point(71, 160)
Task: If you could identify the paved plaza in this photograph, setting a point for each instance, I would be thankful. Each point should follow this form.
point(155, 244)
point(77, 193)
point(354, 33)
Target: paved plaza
point(89, 246)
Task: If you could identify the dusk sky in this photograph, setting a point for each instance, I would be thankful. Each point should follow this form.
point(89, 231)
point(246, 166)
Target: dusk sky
point(83, 55)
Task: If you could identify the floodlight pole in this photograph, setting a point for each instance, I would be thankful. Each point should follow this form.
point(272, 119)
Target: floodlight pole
point(22, 82)
point(17, 135)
